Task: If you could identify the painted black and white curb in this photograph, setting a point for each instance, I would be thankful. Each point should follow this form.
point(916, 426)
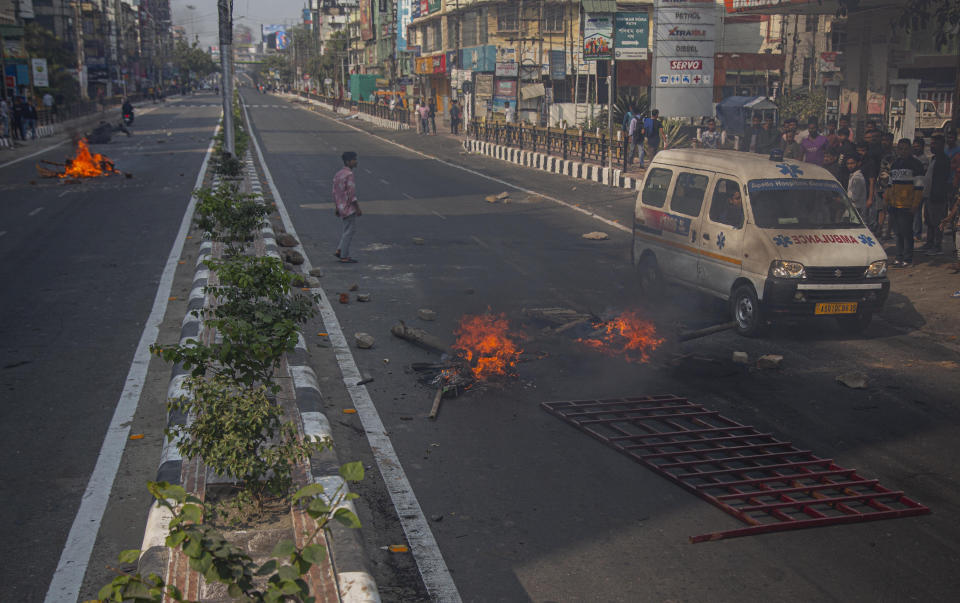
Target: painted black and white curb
point(553, 164)
point(42, 132)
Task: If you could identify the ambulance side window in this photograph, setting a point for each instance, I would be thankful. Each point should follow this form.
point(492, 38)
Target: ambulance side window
point(726, 207)
point(655, 187)
point(688, 193)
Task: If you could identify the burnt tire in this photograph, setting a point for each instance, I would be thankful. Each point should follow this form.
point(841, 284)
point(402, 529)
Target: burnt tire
point(746, 312)
point(856, 324)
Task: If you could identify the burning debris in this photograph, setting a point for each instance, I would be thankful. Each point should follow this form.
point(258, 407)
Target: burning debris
point(485, 344)
point(83, 165)
point(628, 335)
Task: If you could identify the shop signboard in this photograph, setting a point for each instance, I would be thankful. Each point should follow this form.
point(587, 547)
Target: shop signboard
point(558, 65)
point(597, 37)
point(403, 19)
point(479, 58)
point(631, 35)
point(683, 67)
point(434, 6)
point(505, 89)
point(41, 78)
point(484, 85)
point(507, 69)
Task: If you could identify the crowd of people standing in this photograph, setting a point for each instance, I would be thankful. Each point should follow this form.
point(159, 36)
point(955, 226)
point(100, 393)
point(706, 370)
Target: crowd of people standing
point(18, 120)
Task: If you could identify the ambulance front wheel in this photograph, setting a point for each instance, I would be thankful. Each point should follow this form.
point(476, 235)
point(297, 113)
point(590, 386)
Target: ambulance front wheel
point(745, 308)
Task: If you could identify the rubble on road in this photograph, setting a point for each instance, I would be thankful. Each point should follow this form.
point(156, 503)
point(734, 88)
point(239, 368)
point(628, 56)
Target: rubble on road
point(364, 341)
point(596, 236)
point(293, 257)
point(418, 241)
point(286, 239)
point(769, 361)
point(854, 380)
point(741, 358)
point(426, 314)
point(363, 297)
point(318, 272)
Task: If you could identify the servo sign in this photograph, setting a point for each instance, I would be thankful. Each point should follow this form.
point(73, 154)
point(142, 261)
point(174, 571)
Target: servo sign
point(686, 65)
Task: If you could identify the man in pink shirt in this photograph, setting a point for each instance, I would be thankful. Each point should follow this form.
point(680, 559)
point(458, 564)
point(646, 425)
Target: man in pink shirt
point(814, 144)
point(345, 199)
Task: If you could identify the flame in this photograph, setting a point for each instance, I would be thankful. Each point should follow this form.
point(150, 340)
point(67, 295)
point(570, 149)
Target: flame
point(87, 165)
point(484, 342)
point(627, 335)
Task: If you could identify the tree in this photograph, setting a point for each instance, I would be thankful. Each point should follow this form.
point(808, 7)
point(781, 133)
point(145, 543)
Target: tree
point(190, 59)
point(918, 15)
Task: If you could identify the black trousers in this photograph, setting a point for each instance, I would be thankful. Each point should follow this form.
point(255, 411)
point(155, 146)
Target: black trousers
point(902, 221)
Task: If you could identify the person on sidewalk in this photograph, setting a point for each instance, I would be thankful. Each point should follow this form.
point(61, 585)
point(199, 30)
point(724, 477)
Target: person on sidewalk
point(509, 113)
point(5, 123)
point(920, 153)
point(455, 117)
point(710, 138)
point(30, 117)
point(432, 106)
point(636, 134)
point(347, 209)
point(751, 135)
point(937, 191)
point(814, 144)
point(953, 219)
point(903, 197)
point(653, 132)
point(423, 112)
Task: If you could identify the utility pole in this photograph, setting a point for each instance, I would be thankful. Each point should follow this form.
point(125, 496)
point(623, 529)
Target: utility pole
point(225, 11)
point(81, 59)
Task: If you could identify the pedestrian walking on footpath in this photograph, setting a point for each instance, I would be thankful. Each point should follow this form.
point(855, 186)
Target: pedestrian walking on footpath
point(636, 134)
point(455, 117)
point(423, 111)
point(937, 192)
point(509, 113)
point(903, 197)
point(5, 122)
point(432, 106)
point(347, 209)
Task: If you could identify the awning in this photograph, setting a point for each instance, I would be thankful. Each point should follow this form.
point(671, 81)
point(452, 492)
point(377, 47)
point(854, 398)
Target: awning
point(599, 6)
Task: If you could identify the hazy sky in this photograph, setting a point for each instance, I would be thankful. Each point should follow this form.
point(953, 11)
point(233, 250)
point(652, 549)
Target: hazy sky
point(201, 20)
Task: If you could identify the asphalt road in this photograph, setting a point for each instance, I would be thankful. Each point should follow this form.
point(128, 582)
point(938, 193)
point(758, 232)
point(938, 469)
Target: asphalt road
point(522, 506)
point(80, 266)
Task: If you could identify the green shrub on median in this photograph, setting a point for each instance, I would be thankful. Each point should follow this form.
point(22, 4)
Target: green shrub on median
point(228, 216)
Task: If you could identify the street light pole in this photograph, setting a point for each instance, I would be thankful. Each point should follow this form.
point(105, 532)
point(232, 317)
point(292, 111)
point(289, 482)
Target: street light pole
point(225, 11)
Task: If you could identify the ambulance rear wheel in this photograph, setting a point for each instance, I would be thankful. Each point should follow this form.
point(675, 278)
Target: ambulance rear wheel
point(745, 311)
point(650, 277)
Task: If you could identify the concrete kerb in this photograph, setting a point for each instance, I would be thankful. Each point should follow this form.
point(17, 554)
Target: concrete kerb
point(552, 164)
point(354, 581)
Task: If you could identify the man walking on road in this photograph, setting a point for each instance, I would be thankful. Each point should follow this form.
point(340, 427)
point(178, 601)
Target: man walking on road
point(347, 209)
point(937, 192)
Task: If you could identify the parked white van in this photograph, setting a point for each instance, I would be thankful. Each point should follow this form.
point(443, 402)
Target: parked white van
point(774, 237)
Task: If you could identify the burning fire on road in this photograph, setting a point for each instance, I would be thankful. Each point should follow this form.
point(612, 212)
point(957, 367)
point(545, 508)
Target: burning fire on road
point(486, 345)
point(83, 164)
point(628, 336)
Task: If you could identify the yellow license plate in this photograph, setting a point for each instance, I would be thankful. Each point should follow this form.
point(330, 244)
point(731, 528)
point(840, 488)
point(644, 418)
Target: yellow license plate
point(836, 308)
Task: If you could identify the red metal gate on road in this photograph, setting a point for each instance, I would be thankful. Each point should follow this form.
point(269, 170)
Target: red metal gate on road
point(767, 483)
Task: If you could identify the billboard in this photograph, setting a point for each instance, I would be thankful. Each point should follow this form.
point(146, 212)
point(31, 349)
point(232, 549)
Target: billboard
point(366, 20)
point(41, 78)
point(684, 46)
point(631, 34)
point(274, 36)
point(597, 37)
point(403, 19)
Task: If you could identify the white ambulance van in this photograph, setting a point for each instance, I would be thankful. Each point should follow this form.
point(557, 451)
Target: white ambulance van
point(774, 237)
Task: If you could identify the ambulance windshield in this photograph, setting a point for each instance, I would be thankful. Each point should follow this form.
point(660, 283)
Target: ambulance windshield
point(801, 204)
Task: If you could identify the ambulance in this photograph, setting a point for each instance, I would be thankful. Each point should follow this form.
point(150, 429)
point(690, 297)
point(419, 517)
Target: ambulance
point(774, 238)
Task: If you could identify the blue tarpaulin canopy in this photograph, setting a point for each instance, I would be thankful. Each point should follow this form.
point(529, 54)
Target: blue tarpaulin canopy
point(735, 112)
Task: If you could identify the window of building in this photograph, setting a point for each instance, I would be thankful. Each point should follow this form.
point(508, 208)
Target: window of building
point(807, 70)
point(812, 22)
point(508, 17)
point(482, 26)
point(437, 31)
point(468, 24)
point(453, 24)
point(553, 17)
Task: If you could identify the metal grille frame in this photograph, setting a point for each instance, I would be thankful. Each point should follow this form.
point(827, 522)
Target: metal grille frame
point(767, 483)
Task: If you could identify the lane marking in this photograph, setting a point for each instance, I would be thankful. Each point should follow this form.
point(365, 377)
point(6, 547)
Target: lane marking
point(62, 194)
point(384, 182)
point(2, 232)
point(439, 215)
point(426, 552)
point(407, 196)
point(35, 212)
point(72, 567)
point(586, 212)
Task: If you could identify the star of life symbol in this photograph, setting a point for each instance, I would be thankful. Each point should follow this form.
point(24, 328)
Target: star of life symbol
point(868, 241)
point(791, 170)
point(782, 241)
point(721, 240)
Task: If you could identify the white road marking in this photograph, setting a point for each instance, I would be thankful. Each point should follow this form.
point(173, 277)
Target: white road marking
point(426, 552)
point(68, 577)
point(35, 212)
point(586, 212)
point(40, 152)
point(367, 171)
point(439, 215)
point(2, 232)
point(407, 196)
point(63, 193)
